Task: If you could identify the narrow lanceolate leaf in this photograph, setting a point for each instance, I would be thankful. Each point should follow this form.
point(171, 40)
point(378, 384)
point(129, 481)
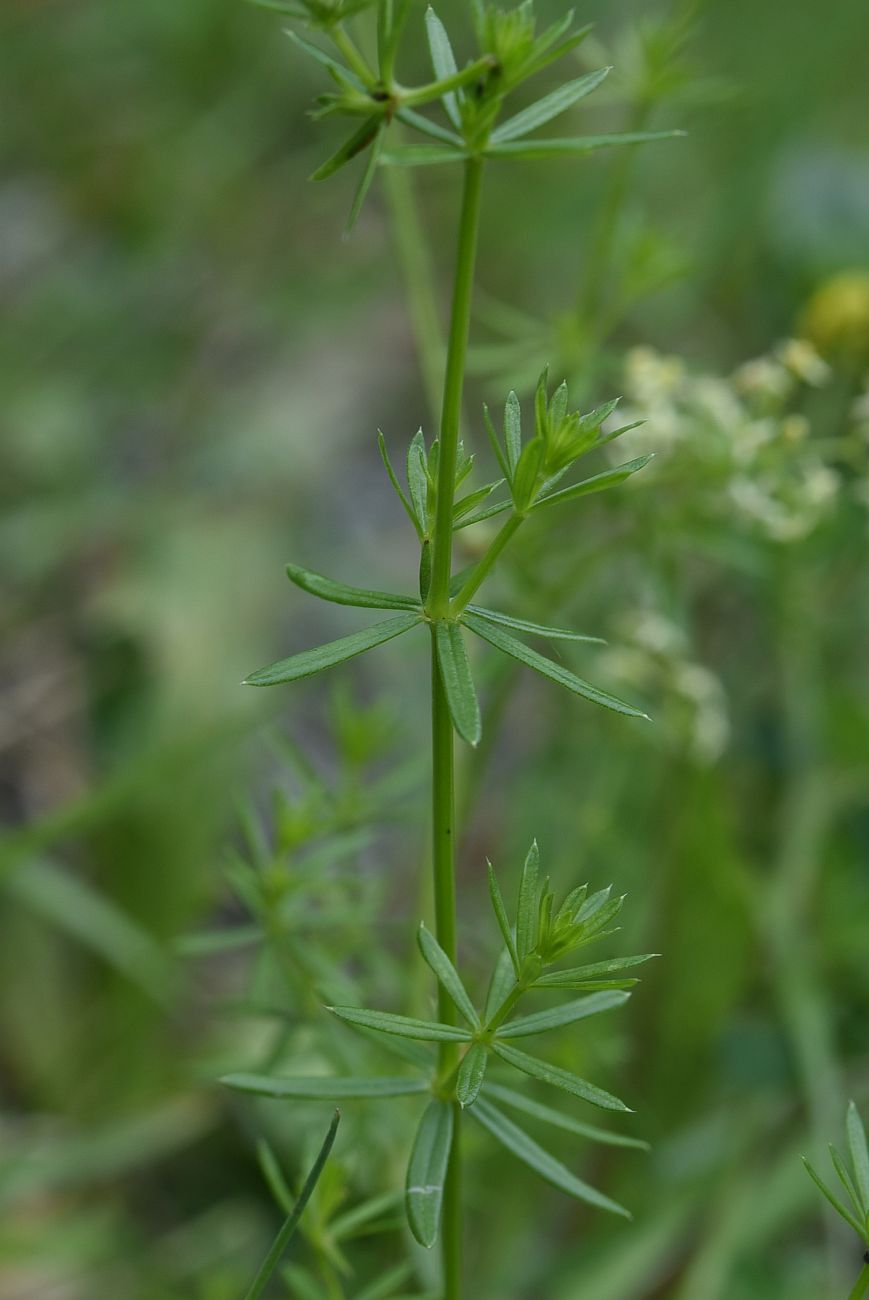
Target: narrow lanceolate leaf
point(322, 56)
point(567, 979)
point(447, 975)
point(550, 48)
point(411, 118)
point(848, 1183)
point(513, 430)
point(549, 107)
point(404, 1026)
point(556, 1017)
point(530, 1153)
point(322, 1088)
point(837, 1205)
point(533, 629)
point(559, 1078)
point(417, 479)
point(422, 155)
point(443, 61)
point(393, 478)
point(502, 983)
point(508, 645)
point(340, 594)
point(455, 670)
point(317, 660)
point(427, 1171)
point(366, 178)
point(533, 149)
point(472, 1071)
point(859, 1153)
point(359, 141)
point(597, 483)
point(282, 1240)
point(527, 910)
point(549, 1115)
point(501, 916)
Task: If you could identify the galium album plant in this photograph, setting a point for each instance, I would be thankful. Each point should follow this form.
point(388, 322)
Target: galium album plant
point(854, 1209)
point(471, 121)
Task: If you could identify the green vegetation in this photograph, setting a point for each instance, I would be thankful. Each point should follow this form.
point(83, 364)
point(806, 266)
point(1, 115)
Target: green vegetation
point(199, 881)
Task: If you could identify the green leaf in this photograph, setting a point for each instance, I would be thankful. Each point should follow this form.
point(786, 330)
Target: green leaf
point(488, 513)
point(443, 61)
point(527, 473)
point(847, 1181)
point(322, 1087)
point(549, 51)
point(597, 483)
point(410, 117)
point(527, 911)
point(430, 1031)
point(556, 1017)
point(559, 1078)
point(527, 1150)
point(383, 1287)
point(393, 478)
point(427, 1171)
point(500, 985)
point(282, 1240)
point(513, 431)
point(501, 916)
point(576, 975)
point(422, 155)
point(447, 975)
point(325, 656)
point(533, 149)
point(357, 142)
point(837, 1205)
point(859, 1153)
point(549, 107)
point(503, 464)
point(472, 1071)
point(508, 645)
point(455, 670)
point(366, 178)
point(417, 478)
point(351, 1223)
point(322, 56)
point(467, 504)
point(533, 629)
point(339, 594)
point(549, 1115)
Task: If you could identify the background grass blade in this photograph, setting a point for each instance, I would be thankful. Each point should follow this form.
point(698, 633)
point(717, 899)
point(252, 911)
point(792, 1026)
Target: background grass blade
point(283, 1238)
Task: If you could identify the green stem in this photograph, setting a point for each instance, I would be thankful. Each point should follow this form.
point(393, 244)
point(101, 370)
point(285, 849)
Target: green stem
point(347, 47)
point(861, 1286)
point(443, 764)
point(460, 322)
point(484, 568)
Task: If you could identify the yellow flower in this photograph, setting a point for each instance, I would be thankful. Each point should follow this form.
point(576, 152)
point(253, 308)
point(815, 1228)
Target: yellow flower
point(836, 317)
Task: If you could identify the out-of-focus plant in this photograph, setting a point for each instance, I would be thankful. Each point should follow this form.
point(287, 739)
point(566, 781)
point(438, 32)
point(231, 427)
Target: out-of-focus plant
point(534, 467)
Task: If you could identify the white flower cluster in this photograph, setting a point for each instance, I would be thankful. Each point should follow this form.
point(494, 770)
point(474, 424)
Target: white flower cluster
point(755, 450)
point(653, 657)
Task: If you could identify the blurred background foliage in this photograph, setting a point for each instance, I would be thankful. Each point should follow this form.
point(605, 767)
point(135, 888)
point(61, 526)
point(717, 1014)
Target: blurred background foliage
point(193, 368)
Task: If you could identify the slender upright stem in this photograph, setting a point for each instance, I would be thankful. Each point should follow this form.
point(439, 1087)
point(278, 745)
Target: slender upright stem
point(484, 568)
point(443, 772)
point(460, 321)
